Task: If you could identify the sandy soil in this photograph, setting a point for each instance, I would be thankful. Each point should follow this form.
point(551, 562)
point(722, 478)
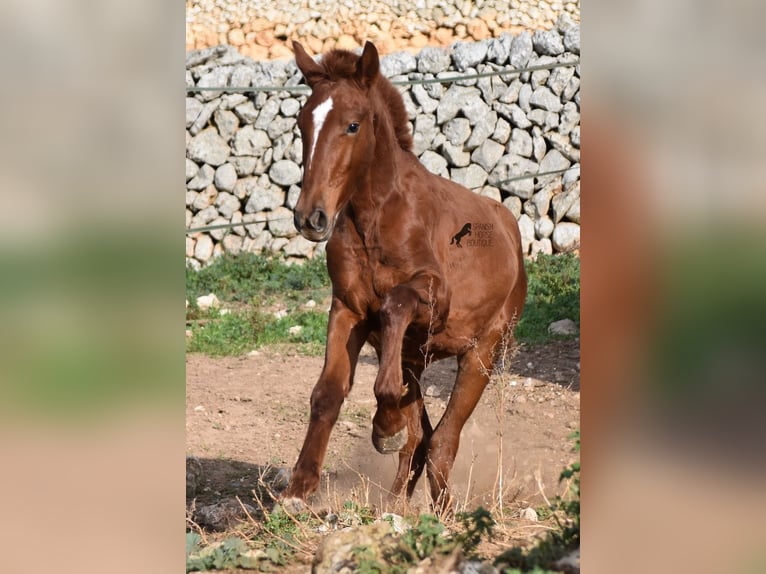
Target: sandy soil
point(247, 413)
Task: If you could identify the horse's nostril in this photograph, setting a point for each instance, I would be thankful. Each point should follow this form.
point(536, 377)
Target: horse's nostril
point(297, 220)
point(318, 220)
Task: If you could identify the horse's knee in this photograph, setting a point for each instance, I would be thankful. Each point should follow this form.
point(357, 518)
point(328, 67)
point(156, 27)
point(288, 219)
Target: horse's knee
point(326, 402)
point(399, 304)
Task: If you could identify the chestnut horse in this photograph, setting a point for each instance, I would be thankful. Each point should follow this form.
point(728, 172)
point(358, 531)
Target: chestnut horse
point(399, 281)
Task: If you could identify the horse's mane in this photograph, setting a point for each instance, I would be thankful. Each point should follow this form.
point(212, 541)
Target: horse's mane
point(341, 64)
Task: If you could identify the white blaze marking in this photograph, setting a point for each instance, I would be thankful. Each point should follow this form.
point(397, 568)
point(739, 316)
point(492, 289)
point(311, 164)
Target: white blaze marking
point(320, 115)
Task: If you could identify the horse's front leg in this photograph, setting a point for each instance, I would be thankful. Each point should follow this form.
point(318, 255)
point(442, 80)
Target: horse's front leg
point(346, 333)
point(420, 301)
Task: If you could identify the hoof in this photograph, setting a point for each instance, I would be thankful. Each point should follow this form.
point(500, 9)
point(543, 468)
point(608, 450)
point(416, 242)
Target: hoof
point(292, 505)
point(389, 444)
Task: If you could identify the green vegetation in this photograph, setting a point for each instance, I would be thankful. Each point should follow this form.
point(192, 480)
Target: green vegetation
point(248, 278)
point(237, 333)
point(248, 285)
point(426, 537)
point(553, 294)
point(233, 552)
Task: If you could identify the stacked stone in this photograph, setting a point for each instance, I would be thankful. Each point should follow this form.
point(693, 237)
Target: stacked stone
point(244, 151)
point(261, 29)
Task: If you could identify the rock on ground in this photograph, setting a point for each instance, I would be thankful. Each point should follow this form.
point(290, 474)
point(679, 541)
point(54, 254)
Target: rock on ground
point(563, 327)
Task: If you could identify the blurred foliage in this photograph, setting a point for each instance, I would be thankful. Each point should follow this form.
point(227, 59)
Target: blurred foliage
point(711, 312)
point(89, 322)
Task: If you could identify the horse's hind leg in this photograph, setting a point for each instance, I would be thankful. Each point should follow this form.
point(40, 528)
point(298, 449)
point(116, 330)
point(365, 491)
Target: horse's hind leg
point(474, 369)
point(412, 457)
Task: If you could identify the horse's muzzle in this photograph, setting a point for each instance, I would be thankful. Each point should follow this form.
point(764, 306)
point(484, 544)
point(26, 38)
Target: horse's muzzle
point(315, 227)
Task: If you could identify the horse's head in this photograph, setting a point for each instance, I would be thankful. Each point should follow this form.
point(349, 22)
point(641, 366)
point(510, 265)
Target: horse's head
point(337, 127)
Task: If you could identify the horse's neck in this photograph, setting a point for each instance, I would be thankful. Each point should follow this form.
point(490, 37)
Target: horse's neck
point(376, 189)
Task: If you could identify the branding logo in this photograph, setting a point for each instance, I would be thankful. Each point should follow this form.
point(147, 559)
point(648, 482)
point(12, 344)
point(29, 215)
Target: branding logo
point(480, 235)
point(460, 234)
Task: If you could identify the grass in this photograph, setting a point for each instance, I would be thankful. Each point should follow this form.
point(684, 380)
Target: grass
point(236, 333)
point(248, 277)
point(553, 294)
point(248, 285)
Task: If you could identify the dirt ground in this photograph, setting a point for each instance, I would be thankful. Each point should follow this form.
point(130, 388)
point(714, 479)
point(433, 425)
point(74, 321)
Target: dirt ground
point(248, 413)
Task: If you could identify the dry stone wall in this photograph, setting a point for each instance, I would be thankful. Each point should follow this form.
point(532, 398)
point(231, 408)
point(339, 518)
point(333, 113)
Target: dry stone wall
point(244, 149)
point(262, 29)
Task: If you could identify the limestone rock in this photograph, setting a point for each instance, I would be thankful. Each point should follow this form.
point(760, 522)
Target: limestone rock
point(202, 179)
point(468, 54)
point(566, 236)
point(544, 98)
point(209, 301)
point(527, 229)
point(227, 204)
point(191, 169)
point(280, 222)
point(225, 177)
point(397, 63)
point(457, 131)
point(250, 141)
point(435, 163)
point(488, 154)
point(299, 246)
point(285, 172)
point(433, 60)
point(262, 197)
point(563, 202)
point(548, 42)
point(572, 39)
point(227, 123)
point(208, 147)
point(223, 515)
point(453, 100)
point(193, 108)
point(528, 513)
point(500, 49)
point(335, 553)
point(472, 177)
point(544, 227)
point(521, 50)
point(563, 327)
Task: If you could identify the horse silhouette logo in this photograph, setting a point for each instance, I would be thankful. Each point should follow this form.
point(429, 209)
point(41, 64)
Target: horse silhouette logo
point(460, 234)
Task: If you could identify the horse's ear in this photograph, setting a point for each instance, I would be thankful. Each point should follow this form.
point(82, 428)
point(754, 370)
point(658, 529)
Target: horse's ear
point(368, 66)
point(312, 71)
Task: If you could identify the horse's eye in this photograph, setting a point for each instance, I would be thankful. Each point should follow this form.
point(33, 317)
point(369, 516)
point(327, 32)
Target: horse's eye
point(352, 128)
